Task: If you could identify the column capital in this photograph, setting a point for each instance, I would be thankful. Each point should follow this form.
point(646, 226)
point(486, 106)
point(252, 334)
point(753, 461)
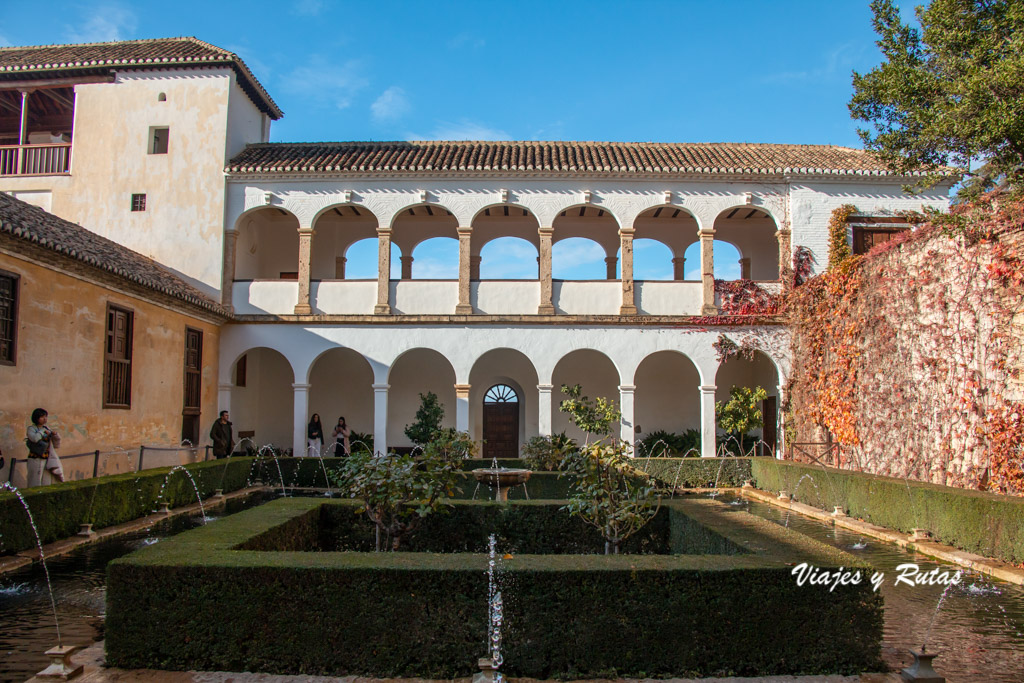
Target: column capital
point(679, 259)
point(225, 387)
point(627, 232)
point(783, 232)
point(231, 231)
point(708, 388)
point(627, 388)
point(464, 230)
point(545, 230)
point(545, 388)
point(706, 233)
point(381, 387)
point(384, 230)
point(462, 390)
point(306, 230)
point(300, 387)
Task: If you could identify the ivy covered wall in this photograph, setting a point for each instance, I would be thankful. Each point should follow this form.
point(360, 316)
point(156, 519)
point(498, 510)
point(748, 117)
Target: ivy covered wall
point(911, 355)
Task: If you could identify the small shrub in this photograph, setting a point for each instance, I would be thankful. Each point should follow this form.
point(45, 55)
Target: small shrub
point(546, 453)
point(361, 441)
point(661, 443)
point(428, 420)
point(742, 412)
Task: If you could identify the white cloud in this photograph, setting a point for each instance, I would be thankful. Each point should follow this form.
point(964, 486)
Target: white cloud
point(324, 83)
point(838, 62)
point(462, 130)
point(105, 22)
point(308, 8)
point(391, 105)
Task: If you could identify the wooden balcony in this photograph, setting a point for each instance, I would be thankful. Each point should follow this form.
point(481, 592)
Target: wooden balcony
point(34, 160)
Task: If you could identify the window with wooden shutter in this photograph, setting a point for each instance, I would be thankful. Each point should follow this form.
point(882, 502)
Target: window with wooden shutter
point(117, 369)
point(870, 231)
point(8, 318)
point(193, 368)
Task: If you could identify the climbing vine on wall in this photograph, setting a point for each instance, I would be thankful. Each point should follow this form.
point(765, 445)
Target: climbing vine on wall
point(911, 354)
point(838, 243)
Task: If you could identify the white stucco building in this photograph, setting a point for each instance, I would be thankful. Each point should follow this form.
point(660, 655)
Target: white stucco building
point(271, 230)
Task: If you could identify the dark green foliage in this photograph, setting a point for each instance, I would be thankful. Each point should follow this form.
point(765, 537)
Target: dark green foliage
point(361, 440)
point(189, 603)
point(58, 510)
point(428, 420)
point(975, 521)
point(951, 93)
point(742, 412)
point(697, 473)
point(663, 444)
point(546, 453)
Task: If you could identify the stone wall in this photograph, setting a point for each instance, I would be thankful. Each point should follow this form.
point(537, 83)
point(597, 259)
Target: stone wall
point(911, 356)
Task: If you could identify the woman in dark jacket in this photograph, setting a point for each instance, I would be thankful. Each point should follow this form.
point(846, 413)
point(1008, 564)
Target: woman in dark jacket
point(315, 435)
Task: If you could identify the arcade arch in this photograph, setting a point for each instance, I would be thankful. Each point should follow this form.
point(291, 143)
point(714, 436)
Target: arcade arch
point(335, 230)
point(416, 372)
point(417, 224)
point(672, 226)
point(504, 228)
point(267, 247)
point(667, 394)
point(341, 384)
point(262, 397)
point(752, 231)
point(753, 369)
point(597, 375)
point(589, 222)
point(510, 368)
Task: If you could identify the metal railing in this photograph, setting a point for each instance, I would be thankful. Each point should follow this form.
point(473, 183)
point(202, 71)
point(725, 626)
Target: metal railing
point(51, 159)
point(135, 455)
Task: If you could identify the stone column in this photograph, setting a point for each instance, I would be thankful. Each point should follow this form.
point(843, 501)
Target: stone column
point(628, 293)
point(627, 431)
point(464, 307)
point(745, 268)
point(707, 421)
point(474, 267)
point(679, 268)
point(785, 237)
point(406, 267)
point(380, 418)
point(544, 409)
point(609, 267)
point(383, 271)
point(22, 134)
point(544, 274)
point(707, 273)
point(300, 417)
point(462, 407)
point(339, 267)
point(302, 307)
point(227, 276)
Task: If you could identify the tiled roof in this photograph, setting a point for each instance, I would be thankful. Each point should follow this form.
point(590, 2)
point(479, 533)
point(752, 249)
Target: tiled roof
point(554, 158)
point(32, 224)
point(159, 53)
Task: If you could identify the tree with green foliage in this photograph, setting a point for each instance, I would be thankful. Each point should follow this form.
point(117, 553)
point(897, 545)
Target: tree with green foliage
point(948, 94)
point(742, 412)
point(428, 420)
point(608, 493)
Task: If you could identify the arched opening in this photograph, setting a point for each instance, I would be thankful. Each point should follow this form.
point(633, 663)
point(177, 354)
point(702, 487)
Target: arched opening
point(436, 258)
point(335, 230)
point(578, 258)
point(419, 224)
point(751, 369)
point(508, 258)
point(262, 398)
point(267, 247)
point(727, 261)
point(672, 226)
point(497, 249)
point(501, 422)
point(513, 369)
point(752, 232)
point(597, 375)
point(361, 260)
point(652, 260)
point(667, 404)
point(416, 372)
point(341, 384)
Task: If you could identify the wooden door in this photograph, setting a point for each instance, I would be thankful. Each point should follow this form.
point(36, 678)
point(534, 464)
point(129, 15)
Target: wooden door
point(501, 422)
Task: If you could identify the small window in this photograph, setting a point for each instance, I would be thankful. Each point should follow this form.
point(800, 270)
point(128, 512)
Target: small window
point(240, 370)
point(162, 97)
point(138, 202)
point(193, 370)
point(8, 318)
point(158, 140)
point(117, 367)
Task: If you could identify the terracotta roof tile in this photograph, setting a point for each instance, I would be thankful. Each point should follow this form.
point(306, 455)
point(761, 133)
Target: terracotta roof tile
point(32, 224)
point(566, 158)
point(159, 53)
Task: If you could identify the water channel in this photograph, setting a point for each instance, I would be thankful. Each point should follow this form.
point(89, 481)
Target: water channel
point(978, 631)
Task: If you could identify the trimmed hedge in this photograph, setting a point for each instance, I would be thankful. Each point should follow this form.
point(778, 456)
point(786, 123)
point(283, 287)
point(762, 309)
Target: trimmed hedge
point(195, 602)
point(59, 509)
point(693, 473)
point(985, 523)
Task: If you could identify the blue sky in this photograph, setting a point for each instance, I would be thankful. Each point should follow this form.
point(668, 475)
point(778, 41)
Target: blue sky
point(742, 71)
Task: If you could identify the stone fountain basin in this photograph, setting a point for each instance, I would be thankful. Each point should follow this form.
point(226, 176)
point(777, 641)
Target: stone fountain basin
point(501, 476)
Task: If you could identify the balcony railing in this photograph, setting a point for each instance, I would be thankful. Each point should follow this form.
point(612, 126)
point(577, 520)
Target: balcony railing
point(35, 159)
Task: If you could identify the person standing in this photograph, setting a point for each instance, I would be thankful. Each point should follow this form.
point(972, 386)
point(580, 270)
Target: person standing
point(341, 434)
point(220, 434)
point(39, 440)
point(315, 436)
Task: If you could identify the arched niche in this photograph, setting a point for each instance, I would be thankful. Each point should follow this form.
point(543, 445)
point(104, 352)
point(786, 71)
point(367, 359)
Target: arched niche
point(597, 375)
point(512, 368)
point(667, 395)
point(416, 372)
